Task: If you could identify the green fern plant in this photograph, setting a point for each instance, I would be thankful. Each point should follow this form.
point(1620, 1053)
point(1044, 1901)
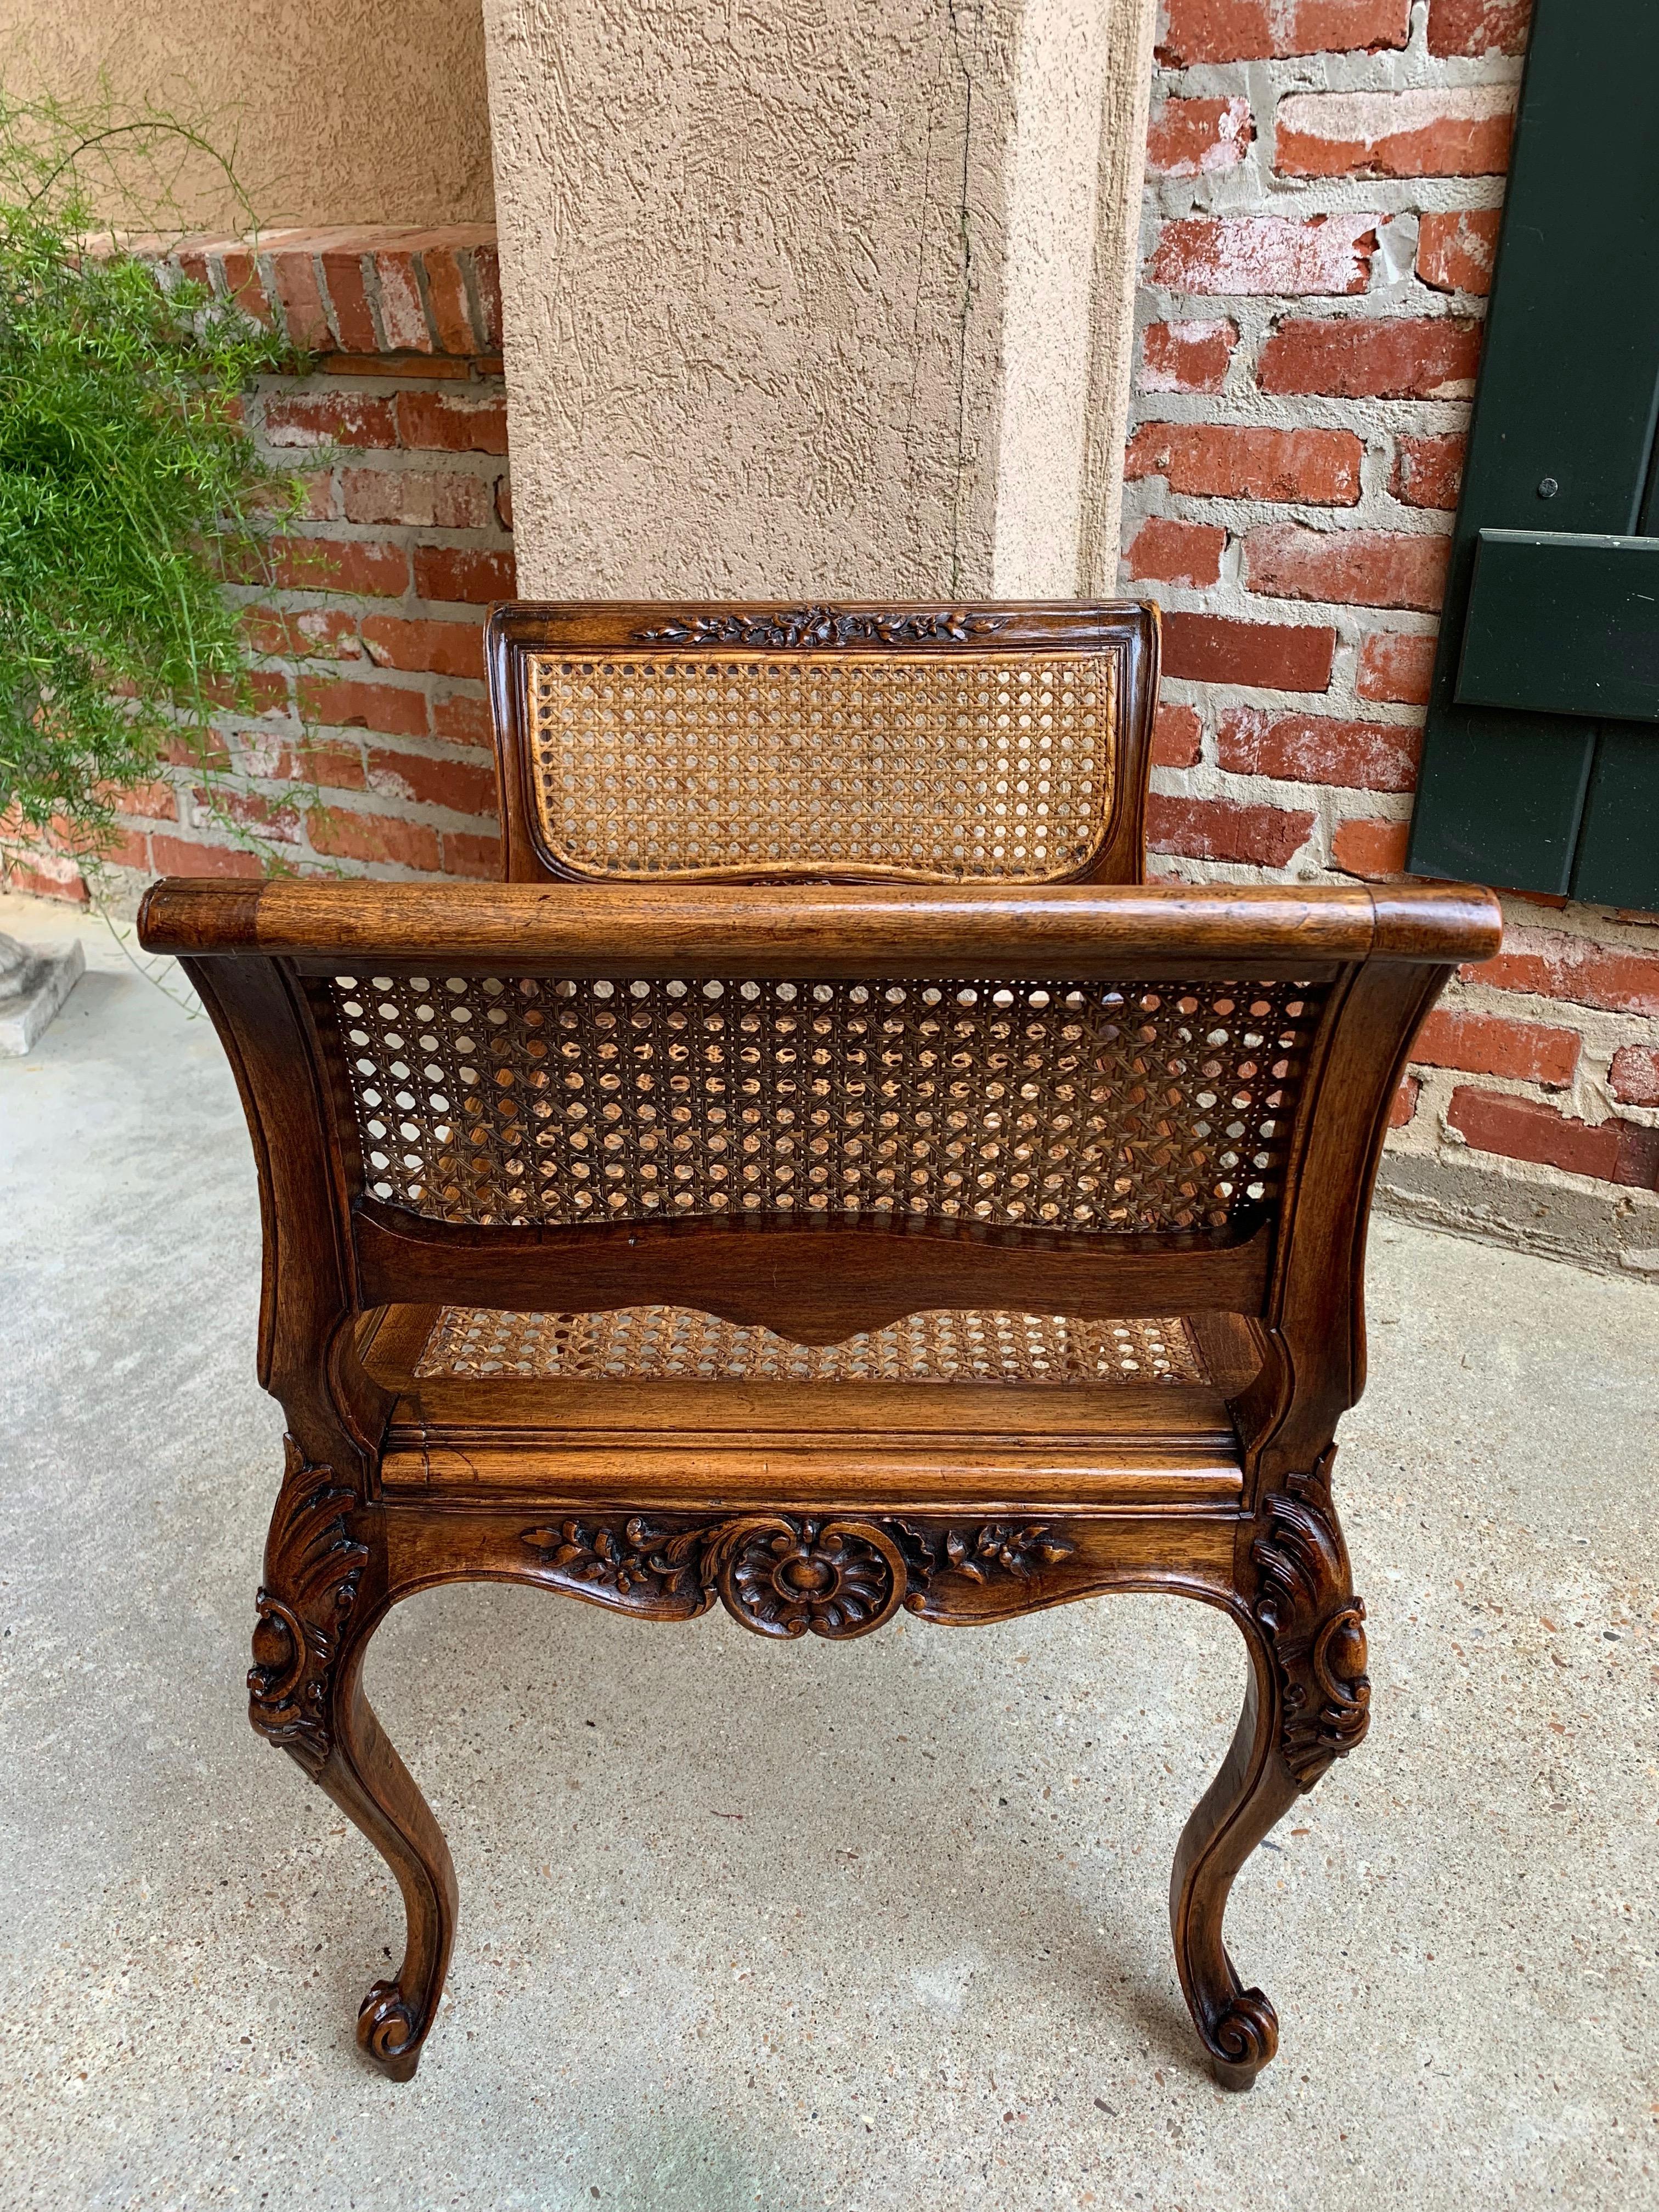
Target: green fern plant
point(129, 490)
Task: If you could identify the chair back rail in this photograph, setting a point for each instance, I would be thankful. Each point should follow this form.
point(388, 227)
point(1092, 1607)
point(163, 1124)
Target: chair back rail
point(921, 742)
point(819, 1108)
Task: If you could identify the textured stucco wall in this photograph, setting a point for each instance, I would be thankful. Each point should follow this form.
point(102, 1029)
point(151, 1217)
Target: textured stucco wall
point(341, 111)
point(812, 299)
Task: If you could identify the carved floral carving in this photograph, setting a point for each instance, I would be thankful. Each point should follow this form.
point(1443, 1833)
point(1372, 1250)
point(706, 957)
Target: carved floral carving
point(314, 1566)
point(1316, 1623)
point(787, 1575)
point(818, 626)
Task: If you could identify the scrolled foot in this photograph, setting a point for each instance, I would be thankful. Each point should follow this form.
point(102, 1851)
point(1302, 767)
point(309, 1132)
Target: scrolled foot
point(387, 2032)
point(1242, 2040)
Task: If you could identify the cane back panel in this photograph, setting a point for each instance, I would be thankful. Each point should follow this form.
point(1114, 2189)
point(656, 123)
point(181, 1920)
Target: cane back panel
point(956, 746)
point(1078, 1106)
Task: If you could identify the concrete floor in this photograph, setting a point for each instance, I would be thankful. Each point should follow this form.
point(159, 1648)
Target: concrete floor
point(803, 1928)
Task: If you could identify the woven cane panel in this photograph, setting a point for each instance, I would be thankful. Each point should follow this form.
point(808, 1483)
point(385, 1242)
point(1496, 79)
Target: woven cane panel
point(951, 767)
point(1075, 1107)
point(644, 1344)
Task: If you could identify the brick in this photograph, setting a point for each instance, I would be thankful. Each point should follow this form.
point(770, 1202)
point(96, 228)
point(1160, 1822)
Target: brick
point(1405, 1102)
point(1397, 666)
point(329, 418)
point(179, 856)
point(462, 572)
point(315, 633)
point(1217, 460)
point(1369, 848)
point(1399, 357)
point(447, 301)
point(155, 801)
point(466, 855)
point(1175, 737)
point(1265, 30)
point(1221, 829)
point(402, 311)
point(331, 768)
point(418, 498)
point(442, 422)
point(1318, 749)
point(1634, 1074)
point(1425, 132)
point(464, 787)
point(504, 502)
point(1270, 656)
point(344, 836)
point(350, 310)
point(1553, 965)
point(1478, 27)
point(304, 313)
point(245, 285)
point(1191, 356)
point(1265, 254)
point(269, 818)
point(263, 692)
point(463, 720)
point(1485, 1044)
point(1429, 471)
point(1176, 552)
point(343, 704)
point(366, 567)
point(1456, 251)
point(443, 648)
point(487, 275)
point(1196, 138)
point(1347, 568)
point(1525, 1129)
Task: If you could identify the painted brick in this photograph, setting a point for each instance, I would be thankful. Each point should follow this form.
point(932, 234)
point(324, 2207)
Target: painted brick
point(1478, 27)
point(458, 572)
point(442, 422)
point(1525, 1129)
point(1176, 740)
point(1260, 30)
point(304, 313)
point(344, 836)
point(440, 501)
point(463, 720)
point(366, 568)
point(402, 311)
point(1218, 460)
point(1221, 829)
point(1369, 848)
point(442, 649)
point(1265, 254)
point(329, 418)
point(1554, 965)
point(1189, 356)
point(467, 855)
point(1400, 357)
point(1347, 568)
point(1634, 1075)
point(1169, 552)
point(1484, 1044)
point(350, 310)
point(1197, 137)
point(1405, 1102)
point(464, 787)
point(1429, 471)
point(1396, 665)
point(1318, 749)
point(1456, 251)
point(1425, 132)
point(179, 856)
point(1268, 656)
point(343, 704)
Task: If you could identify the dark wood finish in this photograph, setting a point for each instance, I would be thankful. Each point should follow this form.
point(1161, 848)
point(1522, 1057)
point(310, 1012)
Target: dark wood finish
point(1128, 629)
point(821, 1508)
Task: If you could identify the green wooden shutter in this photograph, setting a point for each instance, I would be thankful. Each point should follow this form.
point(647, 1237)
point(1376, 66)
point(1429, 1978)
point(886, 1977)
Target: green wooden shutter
point(1540, 763)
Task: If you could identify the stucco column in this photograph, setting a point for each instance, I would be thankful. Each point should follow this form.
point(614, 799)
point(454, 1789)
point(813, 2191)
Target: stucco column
point(830, 297)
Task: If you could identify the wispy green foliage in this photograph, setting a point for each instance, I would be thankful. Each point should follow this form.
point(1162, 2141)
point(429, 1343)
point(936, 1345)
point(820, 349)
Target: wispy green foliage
point(128, 488)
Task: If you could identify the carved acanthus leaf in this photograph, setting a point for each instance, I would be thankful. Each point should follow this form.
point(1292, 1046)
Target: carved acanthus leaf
point(1316, 1623)
point(314, 1566)
point(822, 626)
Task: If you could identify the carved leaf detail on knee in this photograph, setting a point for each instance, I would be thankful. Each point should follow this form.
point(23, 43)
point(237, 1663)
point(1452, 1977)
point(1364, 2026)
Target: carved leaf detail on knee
point(1316, 1623)
point(314, 1566)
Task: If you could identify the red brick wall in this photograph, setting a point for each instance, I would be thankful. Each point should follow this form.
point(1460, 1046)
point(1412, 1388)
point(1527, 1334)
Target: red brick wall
point(1325, 180)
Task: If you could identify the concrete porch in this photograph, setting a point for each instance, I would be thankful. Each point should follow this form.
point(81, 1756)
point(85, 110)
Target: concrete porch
point(803, 1928)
